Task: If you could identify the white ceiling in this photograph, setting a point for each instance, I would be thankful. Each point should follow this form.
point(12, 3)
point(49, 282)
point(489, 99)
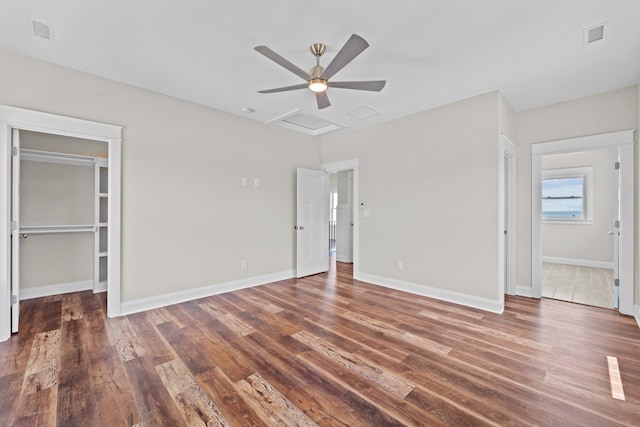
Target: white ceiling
point(431, 52)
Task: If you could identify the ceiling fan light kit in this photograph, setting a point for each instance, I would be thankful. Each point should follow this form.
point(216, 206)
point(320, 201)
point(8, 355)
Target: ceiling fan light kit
point(317, 85)
point(318, 78)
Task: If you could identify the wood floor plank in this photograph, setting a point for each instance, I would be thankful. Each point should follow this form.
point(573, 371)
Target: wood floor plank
point(322, 350)
point(44, 361)
point(196, 407)
point(274, 408)
point(9, 396)
point(229, 320)
point(113, 390)
point(40, 409)
point(318, 396)
point(388, 330)
point(387, 404)
point(76, 401)
point(72, 308)
point(223, 393)
point(359, 365)
point(124, 338)
point(155, 405)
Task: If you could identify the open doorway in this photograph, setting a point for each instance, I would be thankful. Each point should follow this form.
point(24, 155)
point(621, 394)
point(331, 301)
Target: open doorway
point(341, 215)
point(622, 227)
point(579, 210)
point(343, 218)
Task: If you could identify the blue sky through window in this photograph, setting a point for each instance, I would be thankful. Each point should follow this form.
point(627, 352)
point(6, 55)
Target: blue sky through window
point(563, 198)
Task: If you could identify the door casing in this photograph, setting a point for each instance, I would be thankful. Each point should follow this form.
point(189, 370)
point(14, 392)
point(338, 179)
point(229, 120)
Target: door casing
point(22, 119)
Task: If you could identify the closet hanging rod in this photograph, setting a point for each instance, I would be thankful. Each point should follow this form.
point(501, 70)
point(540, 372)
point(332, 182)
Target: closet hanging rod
point(49, 229)
point(51, 157)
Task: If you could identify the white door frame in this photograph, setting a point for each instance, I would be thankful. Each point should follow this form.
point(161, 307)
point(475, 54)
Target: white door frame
point(507, 218)
point(623, 140)
point(22, 119)
point(345, 165)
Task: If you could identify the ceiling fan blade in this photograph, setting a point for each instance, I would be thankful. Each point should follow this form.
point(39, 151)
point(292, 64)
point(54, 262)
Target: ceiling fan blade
point(352, 48)
point(286, 88)
point(282, 62)
point(322, 99)
point(376, 85)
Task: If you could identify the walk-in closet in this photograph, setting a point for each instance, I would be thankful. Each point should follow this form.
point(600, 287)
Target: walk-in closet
point(62, 209)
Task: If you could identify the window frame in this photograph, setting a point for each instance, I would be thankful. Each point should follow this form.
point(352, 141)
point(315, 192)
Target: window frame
point(586, 173)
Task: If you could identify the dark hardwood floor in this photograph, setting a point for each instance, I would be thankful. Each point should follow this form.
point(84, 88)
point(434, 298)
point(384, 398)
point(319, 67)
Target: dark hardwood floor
point(324, 350)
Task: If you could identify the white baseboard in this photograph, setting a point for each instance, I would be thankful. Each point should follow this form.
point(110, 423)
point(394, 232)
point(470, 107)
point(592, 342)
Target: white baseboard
point(102, 287)
point(61, 288)
point(343, 258)
point(579, 262)
point(144, 304)
point(523, 291)
point(636, 314)
point(494, 306)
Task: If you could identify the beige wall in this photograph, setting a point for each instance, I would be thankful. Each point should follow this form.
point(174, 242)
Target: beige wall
point(333, 181)
point(507, 118)
point(343, 187)
point(430, 182)
point(607, 112)
point(186, 220)
point(585, 242)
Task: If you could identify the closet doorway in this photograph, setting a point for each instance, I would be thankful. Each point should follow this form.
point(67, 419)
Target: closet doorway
point(88, 227)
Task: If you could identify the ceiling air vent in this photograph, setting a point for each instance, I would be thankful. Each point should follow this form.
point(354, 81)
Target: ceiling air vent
point(305, 123)
point(42, 30)
point(594, 34)
point(363, 113)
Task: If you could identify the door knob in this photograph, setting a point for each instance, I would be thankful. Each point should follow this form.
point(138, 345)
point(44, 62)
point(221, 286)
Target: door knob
point(611, 233)
point(301, 227)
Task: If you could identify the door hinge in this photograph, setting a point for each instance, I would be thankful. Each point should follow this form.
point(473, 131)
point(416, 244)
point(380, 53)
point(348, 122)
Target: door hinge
point(617, 165)
point(14, 299)
point(14, 151)
point(617, 224)
point(616, 282)
point(14, 225)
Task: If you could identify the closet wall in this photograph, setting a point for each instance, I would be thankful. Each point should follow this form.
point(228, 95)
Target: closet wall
point(57, 194)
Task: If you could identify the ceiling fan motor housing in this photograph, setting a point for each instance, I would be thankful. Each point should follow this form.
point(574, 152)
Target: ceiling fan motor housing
point(318, 49)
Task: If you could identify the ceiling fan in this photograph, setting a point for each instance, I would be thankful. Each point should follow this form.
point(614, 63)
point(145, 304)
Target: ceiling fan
point(317, 80)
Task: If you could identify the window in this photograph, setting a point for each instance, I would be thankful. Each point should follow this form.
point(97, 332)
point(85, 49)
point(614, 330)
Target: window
point(567, 195)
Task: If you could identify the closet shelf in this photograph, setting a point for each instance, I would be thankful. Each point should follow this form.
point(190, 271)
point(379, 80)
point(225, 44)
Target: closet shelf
point(103, 195)
point(51, 157)
point(103, 254)
point(48, 229)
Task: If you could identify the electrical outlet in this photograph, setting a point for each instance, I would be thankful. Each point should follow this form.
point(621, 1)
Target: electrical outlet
point(256, 182)
point(399, 266)
point(243, 181)
point(243, 264)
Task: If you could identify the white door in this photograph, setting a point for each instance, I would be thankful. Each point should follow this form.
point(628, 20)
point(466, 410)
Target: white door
point(15, 231)
point(312, 222)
